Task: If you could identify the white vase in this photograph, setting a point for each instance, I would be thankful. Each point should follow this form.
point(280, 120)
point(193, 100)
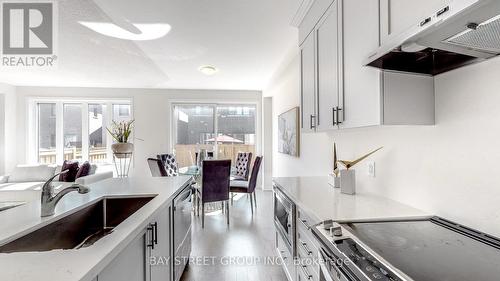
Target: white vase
point(348, 181)
point(334, 180)
point(122, 149)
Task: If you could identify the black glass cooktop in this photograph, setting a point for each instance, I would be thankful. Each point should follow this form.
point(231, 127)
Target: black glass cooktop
point(432, 250)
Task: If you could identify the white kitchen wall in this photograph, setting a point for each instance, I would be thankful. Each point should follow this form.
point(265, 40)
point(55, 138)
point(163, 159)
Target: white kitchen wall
point(151, 112)
point(451, 169)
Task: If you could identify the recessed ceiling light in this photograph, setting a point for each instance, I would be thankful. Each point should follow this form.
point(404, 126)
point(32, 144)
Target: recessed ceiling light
point(148, 31)
point(208, 69)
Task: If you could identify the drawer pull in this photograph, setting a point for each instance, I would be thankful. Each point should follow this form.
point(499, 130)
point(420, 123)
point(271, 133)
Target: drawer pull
point(304, 246)
point(304, 222)
point(306, 273)
point(283, 255)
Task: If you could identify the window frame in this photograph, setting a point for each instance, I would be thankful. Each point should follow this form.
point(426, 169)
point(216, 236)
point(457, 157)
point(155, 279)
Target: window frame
point(33, 124)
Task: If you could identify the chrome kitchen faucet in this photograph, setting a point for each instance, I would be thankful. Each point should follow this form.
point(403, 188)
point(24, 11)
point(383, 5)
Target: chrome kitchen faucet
point(49, 200)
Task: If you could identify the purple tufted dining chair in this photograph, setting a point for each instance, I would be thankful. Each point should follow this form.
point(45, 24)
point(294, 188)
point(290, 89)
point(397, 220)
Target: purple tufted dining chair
point(248, 187)
point(242, 166)
point(215, 185)
point(170, 163)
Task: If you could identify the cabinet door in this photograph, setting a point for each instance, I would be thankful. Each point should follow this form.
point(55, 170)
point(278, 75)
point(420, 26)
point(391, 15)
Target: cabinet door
point(362, 96)
point(160, 237)
point(130, 264)
point(328, 74)
point(399, 15)
point(308, 83)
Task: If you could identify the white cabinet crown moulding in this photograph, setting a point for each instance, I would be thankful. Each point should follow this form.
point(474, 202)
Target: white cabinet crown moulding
point(304, 7)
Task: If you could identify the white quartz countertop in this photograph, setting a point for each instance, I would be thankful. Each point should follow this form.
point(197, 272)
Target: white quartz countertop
point(321, 201)
point(85, 263)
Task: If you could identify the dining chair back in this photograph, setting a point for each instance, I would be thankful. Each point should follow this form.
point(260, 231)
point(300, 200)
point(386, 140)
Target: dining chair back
point(170, 163)
point(157, 168)
point(215, 179)
point(248, 187)
point(255, 174)
point(242, 165)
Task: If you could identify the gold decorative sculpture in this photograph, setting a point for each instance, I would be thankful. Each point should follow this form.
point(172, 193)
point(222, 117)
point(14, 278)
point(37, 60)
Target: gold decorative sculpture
point(349, 164)
point(335, 166)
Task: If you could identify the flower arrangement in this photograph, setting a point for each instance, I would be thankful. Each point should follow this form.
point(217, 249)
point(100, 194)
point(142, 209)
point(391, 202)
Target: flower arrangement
point(121, 131)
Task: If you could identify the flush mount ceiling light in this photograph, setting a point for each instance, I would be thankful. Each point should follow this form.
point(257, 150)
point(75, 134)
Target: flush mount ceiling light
point(208, 69)
point(148, 31)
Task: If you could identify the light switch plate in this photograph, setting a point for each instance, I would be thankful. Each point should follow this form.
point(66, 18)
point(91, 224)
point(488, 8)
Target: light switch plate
point(371, 168)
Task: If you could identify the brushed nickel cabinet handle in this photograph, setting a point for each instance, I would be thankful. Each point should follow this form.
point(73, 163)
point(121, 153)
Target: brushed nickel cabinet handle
point(313, 125)
point(334, 113)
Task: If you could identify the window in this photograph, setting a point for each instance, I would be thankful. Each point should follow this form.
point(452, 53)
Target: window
point(72, 124)
point(97, 133)
point(224, 129)
point(46, 133)
point(121, 112)
point(76, 130)
point(235, 130)
point(194, 128)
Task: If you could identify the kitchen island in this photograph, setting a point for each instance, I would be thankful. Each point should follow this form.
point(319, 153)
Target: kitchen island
point(152, 224)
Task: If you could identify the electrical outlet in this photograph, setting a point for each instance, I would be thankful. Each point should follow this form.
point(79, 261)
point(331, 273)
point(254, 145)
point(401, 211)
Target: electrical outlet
point(371, 168)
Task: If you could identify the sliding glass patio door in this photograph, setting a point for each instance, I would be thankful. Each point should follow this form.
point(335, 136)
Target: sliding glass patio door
point(223, 129)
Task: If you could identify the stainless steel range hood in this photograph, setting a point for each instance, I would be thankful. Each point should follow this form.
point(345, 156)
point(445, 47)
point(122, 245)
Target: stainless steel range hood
point(460, 33)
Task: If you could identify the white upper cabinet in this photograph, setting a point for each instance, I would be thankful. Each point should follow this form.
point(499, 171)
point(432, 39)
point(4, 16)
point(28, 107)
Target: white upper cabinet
point(361, 84)
point(329, 73)
point(338, 91)
point(308, 83)
point(398, 15)
point(321, 66)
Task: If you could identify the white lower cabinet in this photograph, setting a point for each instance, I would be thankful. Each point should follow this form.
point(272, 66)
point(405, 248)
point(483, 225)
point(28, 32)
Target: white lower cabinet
point(286, 257)
point(147, 257)
point(307, 249)
point(129, 265)
point(159, 247)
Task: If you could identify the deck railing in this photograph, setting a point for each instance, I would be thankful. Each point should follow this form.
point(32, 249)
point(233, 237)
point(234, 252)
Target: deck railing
point(96, 155)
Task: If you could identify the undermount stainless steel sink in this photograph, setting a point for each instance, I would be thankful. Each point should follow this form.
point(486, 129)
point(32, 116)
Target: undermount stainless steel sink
point(80, 229)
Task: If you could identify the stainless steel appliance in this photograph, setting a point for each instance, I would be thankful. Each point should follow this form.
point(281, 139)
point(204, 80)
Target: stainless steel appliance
point(461, 32)
point(182, 206)
point(284, 219)
point(426, 249)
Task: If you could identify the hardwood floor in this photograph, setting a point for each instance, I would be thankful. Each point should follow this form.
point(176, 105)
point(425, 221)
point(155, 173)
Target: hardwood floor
point(248, 239)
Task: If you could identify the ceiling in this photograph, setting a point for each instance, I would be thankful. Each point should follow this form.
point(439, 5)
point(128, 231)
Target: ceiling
point(245, 39)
